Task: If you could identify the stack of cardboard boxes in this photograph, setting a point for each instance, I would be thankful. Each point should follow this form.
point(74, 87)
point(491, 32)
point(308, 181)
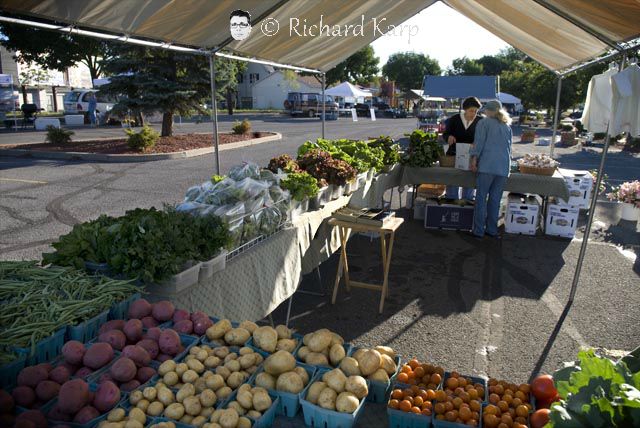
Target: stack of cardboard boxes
point(562, 217)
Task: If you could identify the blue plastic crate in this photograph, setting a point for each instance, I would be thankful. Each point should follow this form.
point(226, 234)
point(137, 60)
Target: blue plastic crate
point(119, 310)
point(265, 354)
point(289, 402)
point(9, 372)
point(267, 418)
point(317, 417)
point(94, 422)
point(45, 350)
point(398, 419)
point(379, 391)
point(88, 329)
point(482, 381)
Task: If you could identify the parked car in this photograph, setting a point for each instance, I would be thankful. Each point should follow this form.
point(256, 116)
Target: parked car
point(77, 102)
point(309, 104)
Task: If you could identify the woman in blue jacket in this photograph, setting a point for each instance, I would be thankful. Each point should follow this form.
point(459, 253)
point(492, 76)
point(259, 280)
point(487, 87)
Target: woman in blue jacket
point(491, 159)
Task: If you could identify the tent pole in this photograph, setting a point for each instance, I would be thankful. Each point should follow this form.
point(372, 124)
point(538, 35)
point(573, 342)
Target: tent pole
point(214, 109)
point(323, 104)
point(556, 115)
point(592, 208)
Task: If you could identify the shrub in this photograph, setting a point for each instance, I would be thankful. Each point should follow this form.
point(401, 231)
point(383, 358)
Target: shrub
point(58, 135)
point(567, 128)
point(242, 127)
point(143, 140)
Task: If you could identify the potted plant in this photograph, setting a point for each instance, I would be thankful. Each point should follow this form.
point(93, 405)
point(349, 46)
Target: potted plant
point(301, 186)
point(568, 134)
point(340, 173)
point(629, 195)
point(528, 136)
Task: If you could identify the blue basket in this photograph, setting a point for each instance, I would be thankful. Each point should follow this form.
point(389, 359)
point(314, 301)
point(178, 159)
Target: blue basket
point(96, 268)
point(398, 419)
point(119, 310)
point(379, 391)
point(267, 418)
point(317, 417)
point(87, 330)
point(9, 372)
point(92, 423)
point(46, 349)
point(265, 354)
point(475, 379)
point(289, 402)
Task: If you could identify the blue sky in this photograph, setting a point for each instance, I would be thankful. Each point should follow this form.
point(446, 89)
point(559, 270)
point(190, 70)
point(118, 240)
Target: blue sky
point(443, 34)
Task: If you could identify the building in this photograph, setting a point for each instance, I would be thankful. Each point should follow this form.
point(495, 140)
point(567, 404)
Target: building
point(270, 92)
point(252, 74)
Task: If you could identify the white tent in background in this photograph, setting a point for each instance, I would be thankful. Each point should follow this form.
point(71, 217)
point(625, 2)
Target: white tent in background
point(420, 93)
point(346, 89)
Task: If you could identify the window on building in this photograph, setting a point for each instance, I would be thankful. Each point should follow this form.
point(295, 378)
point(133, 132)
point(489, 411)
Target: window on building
point(240, 78)
point(254, 77)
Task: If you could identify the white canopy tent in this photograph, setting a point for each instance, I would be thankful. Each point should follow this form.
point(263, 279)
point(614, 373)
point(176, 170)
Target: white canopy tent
point(346, 89)
point(562, 35)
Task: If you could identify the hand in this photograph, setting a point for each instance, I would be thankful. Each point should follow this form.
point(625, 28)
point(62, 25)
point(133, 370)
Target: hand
point(474, 165)
point(451, 140)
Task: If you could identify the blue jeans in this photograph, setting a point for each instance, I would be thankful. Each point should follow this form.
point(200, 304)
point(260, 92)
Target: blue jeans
point(92, 117)
point(485, 213)
point(453, 192)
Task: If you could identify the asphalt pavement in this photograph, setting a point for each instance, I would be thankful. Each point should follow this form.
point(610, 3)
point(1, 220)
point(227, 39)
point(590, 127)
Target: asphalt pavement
point(481, 307)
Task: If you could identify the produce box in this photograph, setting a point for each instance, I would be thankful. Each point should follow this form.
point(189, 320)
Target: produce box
point(447, 216)
point(419, 208)
point(9, 372)
point(187, 341)
point(580, 184)
point(318, 417)
point(45, 350)
point(265, 354)
point(562, 220)
point(266, 421)
point(379, 391)
point(347, 349)
point(153, 421)
point(88, 329)
point(94, 422)
point(289, 403)
point(399, 419)
point(216, 264)
point(523, 214)
point(119, 310)
point(482, 381)
point(176, 283)
point(437, 423)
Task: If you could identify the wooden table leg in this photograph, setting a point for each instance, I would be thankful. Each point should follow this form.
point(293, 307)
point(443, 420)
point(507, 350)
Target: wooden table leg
point(387, 264)
point(338, 273)
point(344, 236)
point(383, 245)
point(342, 266)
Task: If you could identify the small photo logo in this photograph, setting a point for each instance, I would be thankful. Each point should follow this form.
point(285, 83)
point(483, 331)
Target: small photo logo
point(240, 24)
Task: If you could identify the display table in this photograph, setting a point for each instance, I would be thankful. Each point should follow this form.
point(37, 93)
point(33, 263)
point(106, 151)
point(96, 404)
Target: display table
point(387, 231)
point(519, 183)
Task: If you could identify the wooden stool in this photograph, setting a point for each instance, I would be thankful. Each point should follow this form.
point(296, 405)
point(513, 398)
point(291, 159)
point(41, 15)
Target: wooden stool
point(386, 231)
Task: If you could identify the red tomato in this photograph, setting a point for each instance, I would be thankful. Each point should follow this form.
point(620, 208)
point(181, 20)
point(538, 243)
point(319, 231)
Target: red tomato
point(546, 403)
point(543, 388)
point(539, 418)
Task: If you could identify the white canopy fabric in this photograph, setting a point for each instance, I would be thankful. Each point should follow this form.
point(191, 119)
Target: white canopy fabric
point(420, 93)
point(546, 30)
point(346, 89)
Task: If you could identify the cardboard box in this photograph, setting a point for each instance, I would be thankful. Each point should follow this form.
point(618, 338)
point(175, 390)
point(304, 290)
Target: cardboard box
point(447, 216)
point(523, 214)
point(580, 184)
point(419, 207)
point(463, 158)
point(561, 220)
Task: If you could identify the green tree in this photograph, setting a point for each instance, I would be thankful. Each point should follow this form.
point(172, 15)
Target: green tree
point(361, 67)
point(409, 68)
point(465, 67)
point(54, 50)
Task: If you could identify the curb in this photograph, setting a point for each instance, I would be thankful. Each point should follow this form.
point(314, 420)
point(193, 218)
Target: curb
point(102, 157)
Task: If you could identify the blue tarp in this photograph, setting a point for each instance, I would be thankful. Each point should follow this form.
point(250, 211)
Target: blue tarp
point(460, 86)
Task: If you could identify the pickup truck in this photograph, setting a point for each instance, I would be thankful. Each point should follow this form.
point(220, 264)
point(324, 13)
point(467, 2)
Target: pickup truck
point(309, 104)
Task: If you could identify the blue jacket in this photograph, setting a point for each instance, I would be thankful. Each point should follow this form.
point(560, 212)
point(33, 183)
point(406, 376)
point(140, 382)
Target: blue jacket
point(492, 147)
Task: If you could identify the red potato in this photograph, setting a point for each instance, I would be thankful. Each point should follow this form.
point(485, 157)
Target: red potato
point(138, 354)
point(197, 315)
point(47, 366)
point(24, 396)
point(32, 376)
point(123, 370)
point(115, 338)
point(169, 342)
point(181, 314)
point(7, 419)
point(47, 390)
point(60, 374)
point(149, 322)
point(34, 416)
point(107, 396)
point(130, 386)
point(111, 325)
point(86, 414)
point(71, 367)
point(139, 309)
point(98, 355)
point(201, 325)
point(73, 352)
point(183, 327)
point(151, 346)
point(105, 377)
point(153, 333)
point(163, 357)
point(6, 402)
point(55, 414)
point(73, 396)
point(133, 330)
point(83, 372)
point(163, 310)
point(144, 374)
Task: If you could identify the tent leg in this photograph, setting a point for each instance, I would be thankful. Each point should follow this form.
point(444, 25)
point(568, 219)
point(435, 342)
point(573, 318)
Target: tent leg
point(556, 115)
point(592, 208)
point(214, 109)
point(323, 104)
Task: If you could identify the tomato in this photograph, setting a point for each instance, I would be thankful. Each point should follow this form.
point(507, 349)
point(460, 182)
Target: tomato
point(546, 403)
point(543, 387)
point(539, 418)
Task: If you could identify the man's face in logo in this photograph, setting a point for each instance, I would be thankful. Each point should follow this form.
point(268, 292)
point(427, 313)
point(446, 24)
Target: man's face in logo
point(240, 27)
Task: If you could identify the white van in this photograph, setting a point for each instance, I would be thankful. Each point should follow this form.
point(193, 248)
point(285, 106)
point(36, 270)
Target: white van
point(77, 102)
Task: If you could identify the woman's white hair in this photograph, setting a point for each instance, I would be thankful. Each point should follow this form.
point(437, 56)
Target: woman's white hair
point(502, 115)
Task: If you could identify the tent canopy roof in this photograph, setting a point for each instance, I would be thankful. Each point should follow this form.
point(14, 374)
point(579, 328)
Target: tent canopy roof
point(549, 31)
point(504, 98)
point(346, 89)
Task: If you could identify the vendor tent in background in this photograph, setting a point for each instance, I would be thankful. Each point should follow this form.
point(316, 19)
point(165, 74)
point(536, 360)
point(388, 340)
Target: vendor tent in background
point(563, 35)
point(460, 86)
point(346, 89)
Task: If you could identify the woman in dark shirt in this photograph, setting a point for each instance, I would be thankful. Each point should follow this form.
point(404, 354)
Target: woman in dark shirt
point(461, 129)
